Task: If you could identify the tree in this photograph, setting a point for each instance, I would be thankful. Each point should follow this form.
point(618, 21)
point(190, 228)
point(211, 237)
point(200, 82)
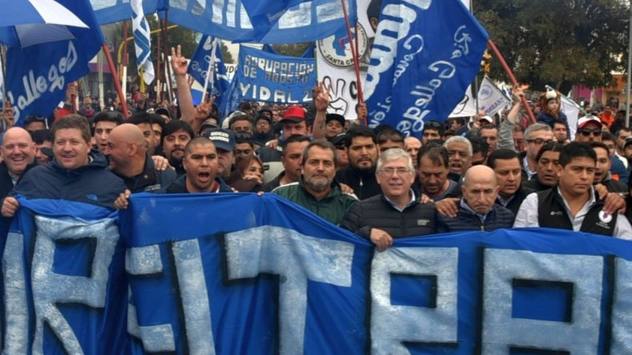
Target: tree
point(560, 43)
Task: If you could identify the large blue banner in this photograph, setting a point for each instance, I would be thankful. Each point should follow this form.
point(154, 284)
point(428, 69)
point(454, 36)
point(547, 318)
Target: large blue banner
point(424, 56)
point(38, 75)
point(273, 278)
point(267, 77)
point(287, 21)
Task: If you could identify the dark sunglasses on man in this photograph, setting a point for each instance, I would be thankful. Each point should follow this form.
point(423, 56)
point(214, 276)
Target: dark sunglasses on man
point(590, 132)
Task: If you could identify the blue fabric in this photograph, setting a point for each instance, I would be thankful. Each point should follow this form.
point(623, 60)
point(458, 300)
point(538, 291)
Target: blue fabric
point(200, 62)
point(267, 276)
point(263, 76)
point(301, 20)
point(38, 75)
point(424, 56)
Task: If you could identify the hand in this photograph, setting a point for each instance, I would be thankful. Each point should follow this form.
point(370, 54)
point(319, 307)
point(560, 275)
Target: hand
point(122, 201)
point(9, 206)
point(321, 98)
point(272, 144)
point(381, 239)
point(425, 199)
point(254, 176)
point(160, 163)
point(613, 203)
point(178, 62)
point(518, 90)
point(346, 189)
point(448, 207)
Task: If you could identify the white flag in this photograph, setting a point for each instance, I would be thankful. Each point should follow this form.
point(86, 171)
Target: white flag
point(491, 99)
point(142, 41)
point(467, 106)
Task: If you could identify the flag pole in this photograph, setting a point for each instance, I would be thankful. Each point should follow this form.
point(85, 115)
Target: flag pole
point(3, 93)
point(354, 55)
point(210, 72)
point(512, 77)
point(627, 88)
point(115, 78)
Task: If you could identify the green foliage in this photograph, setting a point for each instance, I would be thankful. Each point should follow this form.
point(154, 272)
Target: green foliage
point(293, 50)
point(561, 42)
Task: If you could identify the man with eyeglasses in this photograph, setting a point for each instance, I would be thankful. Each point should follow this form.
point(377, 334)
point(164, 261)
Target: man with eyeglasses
point(536, 136)
point(397, 211)
point(588, 129)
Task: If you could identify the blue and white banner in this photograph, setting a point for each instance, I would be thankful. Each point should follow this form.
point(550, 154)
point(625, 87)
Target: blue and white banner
point(424, 56)
point(39, 74)
point(201, 63)
point(267, 77)
point(142, 41)
point(295, 21)
point(276, 279)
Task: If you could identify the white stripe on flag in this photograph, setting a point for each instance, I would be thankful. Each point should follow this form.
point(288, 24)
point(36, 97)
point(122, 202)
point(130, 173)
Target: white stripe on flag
point(142, 41)
point(55, 14)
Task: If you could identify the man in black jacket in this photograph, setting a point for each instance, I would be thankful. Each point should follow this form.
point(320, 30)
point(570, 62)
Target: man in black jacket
point(18, 152)
point(360, 174)
point(396, 212)
point(201, 165)
point(478, 209)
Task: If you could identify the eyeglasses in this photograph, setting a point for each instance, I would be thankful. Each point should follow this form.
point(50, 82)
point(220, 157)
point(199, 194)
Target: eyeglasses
point(590, 132)
point(393, 171)
point(539, 141)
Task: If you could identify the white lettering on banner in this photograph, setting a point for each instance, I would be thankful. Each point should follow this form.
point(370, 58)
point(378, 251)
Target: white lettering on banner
point(385, 44)
point(578, 335)
point(392, 325)
point(297, 259)
point(409, 57)
point(35, 87)
point(622, 297)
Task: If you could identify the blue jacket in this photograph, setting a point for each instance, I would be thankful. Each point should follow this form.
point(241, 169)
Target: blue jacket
point(466, 220)
point(91, 183)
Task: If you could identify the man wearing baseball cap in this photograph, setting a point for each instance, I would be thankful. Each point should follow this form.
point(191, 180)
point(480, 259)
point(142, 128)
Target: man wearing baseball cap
point(588, 129)
point(224, 141)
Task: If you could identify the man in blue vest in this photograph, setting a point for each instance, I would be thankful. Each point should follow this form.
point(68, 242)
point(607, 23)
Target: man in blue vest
point(573, 204)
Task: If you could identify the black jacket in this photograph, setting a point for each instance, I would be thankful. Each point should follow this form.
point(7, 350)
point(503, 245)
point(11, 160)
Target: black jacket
point(150, 179)
point(516, 201)
point(465, 220)
point(6, 183)
point(363, 182)
point(92, 183)
point(376, 212)
point(535, 185)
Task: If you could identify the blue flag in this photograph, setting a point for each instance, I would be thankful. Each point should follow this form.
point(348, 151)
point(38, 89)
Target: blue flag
point(424, 56)
point(262, 76)
point(185, 274)
point(38, 76)
point(199, 65)
point(287, 21)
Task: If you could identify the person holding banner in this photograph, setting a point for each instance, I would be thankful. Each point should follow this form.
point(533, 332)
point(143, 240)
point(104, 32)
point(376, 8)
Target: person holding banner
point(76, 174)
point(316, 190)
point(574, 203)
point(395, 213)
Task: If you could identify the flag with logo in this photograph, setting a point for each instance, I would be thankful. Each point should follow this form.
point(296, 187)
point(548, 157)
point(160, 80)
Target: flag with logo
point(142, 41)
point(491, 98)
point(424, 56)
point(209, 54)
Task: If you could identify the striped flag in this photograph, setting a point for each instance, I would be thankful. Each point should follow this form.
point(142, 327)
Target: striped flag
point(142, 41)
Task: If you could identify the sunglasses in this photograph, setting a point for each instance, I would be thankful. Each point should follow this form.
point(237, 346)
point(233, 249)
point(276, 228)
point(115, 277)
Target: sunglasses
point(590, 132)
point(539, 141)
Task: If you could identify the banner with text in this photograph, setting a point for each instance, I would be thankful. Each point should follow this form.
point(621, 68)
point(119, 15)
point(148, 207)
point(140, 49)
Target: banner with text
point(491, 98)
point(267, 77)
point(274, 278)
point(36, 83)
point(424, 56)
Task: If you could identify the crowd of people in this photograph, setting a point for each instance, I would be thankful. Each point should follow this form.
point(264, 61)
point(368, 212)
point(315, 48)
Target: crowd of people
point(477, 173)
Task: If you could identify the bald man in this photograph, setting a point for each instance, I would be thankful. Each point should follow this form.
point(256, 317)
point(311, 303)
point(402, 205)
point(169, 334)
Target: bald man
point(18, 155)
point(127, 150)
point(477, 207)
